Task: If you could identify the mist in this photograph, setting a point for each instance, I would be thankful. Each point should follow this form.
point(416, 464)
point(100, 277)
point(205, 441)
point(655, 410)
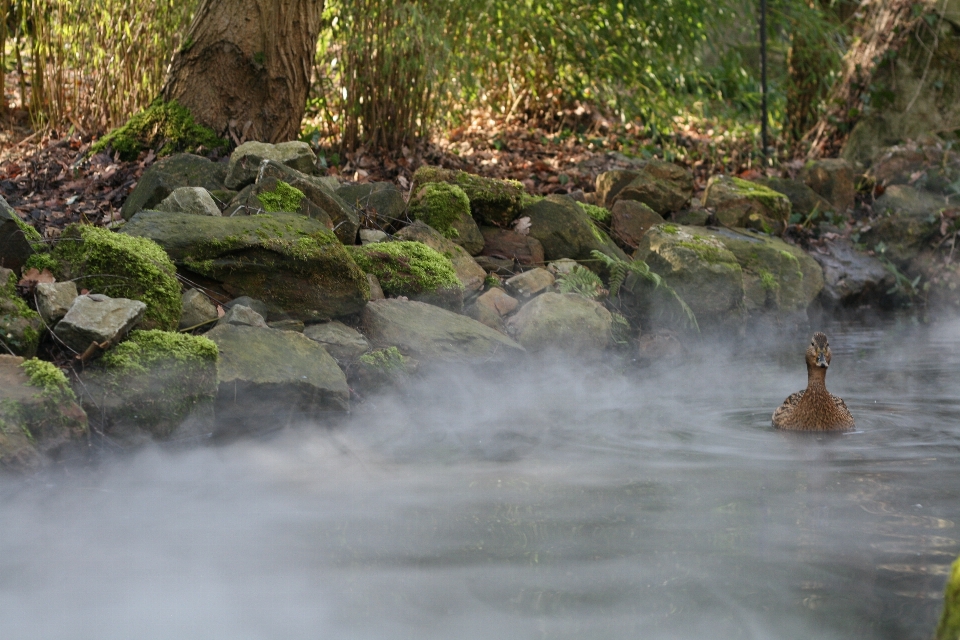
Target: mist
point(554, 499)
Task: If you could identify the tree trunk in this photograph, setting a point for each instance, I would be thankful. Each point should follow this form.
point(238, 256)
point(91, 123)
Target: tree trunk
point(884, 27)
point(244, 67)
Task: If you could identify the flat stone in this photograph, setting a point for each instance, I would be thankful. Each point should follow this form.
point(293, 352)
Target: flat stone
point(252, 303)
point(287, 325)
point(498, 300)
point(485, 314)
point(564, 322)
point(629, 220)
point(193, 200)
point(530, 283)
point(504, 244)
point(245, 160)
point(97, 318)
point(371, 236)
point(344, 343)
point(376, 291)
point(167, 174)
point(54, 299)
point(239, 314)
point(197, 309)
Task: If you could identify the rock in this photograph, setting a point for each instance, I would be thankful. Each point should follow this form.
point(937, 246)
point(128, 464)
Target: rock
point(370, 236)
point(510, 245)
point(382, 203)
point(287, 325)
point(485, 315)
point(193, 200)
point(275, 196)
point(908, 218)
point(245, 160)
point(658, 347)
point(928, 167)
point(566, 231)
point(445, 207)
point(562, 267)
point(850, 278)
point(498, 300)
point(803, 199)
point(610, 183)
point(20, 325)
point(376, 291)
point(662, 186)
point(269, 377)
point(833, 179)
point(290, 262)
point(167, 174)
point(493, 202)
point(426, 332)
point(241, 315)
point(54, 299)
point(342, 342)
point(694, 217)
point(703, 272)
point(122, 266)
point(470, 274)
point(629, 220)
point(412, 269)
point(197, 309)
point(17, 238)
point(381, 368)
point(345, 219)
point(96, 318)
point(39, 415)
point(564, 322)
point(498, 266)
point(740, 203)
point(949, 627)
point(155, 385)
point(530, 283)
point(258, 306)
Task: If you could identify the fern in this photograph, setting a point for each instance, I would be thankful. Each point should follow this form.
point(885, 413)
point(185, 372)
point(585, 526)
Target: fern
point(583, 282)
point(621, 269)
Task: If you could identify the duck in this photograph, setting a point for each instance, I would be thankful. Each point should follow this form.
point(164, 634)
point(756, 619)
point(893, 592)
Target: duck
point(814, 408)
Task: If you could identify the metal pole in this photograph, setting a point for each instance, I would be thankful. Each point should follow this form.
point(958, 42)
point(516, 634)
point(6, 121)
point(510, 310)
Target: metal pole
point(763, 77)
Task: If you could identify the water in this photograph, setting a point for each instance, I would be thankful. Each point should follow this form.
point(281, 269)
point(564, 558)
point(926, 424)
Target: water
point(555, 501)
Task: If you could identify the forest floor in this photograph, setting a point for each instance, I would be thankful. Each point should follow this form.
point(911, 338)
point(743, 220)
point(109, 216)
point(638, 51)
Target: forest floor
point(52, 181)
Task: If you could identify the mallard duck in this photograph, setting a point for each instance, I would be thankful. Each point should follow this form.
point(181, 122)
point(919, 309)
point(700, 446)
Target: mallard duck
point(814, 408)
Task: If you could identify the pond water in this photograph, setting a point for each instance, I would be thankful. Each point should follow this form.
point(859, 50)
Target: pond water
point(551, 501)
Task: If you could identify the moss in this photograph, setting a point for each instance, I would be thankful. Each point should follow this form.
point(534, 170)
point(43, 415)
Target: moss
point(57, 415)
point(32, 235)
point(165, 127)
point(708, 251)
point(492, 281)
point(491, 200)
point(47, 377)
point(148, 348)
point(19, 324)
point(767, 280)
point(389, 359)
point(122, 266)
point(949, 627)
point(406, 268)
point(599, 214)
point(527, 200)
point(41, 261)
point(283, 198)
point(772, 200)
point(670, 229)
point(441, 205)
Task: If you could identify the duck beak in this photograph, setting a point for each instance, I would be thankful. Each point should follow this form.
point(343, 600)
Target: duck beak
point(822, 360)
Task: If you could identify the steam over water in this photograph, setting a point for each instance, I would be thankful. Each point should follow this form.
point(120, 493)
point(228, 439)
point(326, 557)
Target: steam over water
point(549, 501)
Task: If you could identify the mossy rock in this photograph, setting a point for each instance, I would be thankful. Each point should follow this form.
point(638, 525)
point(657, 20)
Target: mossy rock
point(39, 415)
point(167, 175)
point(949, 627)
point(275, 196)
point(156, 384)
point(165, 127)
point(470, 274)
point(412, 269)
point(662, 186)
point(562, 322)
point(382, 368)
point(245, 161)
point(803, 200)
point(20, 326)
point(382, 203)
point(908, 218)
point(18, 240)
point(740, 203)
point(445, 207)
point(492, 201)
point(610, 183)
point(122, 266)
point(291, 262)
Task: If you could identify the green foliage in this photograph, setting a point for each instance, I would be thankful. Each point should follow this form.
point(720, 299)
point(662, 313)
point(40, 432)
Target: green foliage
point(151, 348)
point(620, 270)
point(41, 261)
point(407, 267)
point(283, 198)
point(599, 214)
point(389, 359)
point(583, 282)
point(949, 627)
point(440, 205)
point(165, 127)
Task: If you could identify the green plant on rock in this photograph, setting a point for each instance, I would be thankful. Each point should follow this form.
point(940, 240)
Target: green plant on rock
point(19, 324)
point(620, 270)
point(582, 281)
point(599, 214)
point(57, 414)
point(406, 267)
point(284, 198)
point(41, 261)
point(388, 359)
point(441, 205)
point(51, 381)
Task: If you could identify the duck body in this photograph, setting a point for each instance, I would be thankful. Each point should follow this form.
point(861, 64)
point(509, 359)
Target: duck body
point(814, 408)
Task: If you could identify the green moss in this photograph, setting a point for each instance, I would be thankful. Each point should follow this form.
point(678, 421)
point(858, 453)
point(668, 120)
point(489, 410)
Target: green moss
point(389, 359)
point(283, 198)
point(599, 214)
point(165, 127)
point(152, 347)
point(772, 200)
point(708, 251)
point(57, 415)
point(19, 324)
point(949, 627)
point(41, 261)
point(32, 235)
point(441, 205)
point(492, 281)
point(527, 200)
point(406, 268)
point(491, 200)
point(47, 377)
point(670, 229)
point(767, 280)
point(122, 266)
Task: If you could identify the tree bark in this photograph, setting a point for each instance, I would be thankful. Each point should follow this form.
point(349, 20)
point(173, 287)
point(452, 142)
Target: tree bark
point(884, 27)
point(244, 67)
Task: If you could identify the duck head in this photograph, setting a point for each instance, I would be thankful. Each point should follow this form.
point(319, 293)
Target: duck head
point(818, 353)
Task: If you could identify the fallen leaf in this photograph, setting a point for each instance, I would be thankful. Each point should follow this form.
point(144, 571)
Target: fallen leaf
point(220, 312)
point(32, 277)
point(522, 225)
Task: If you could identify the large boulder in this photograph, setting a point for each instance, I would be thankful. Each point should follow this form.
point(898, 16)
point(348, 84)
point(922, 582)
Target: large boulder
point(156, 385)
point(429, 333)
point(564, 322)
point(850, 277)
point(412, 269)
point(123, 266)
point(470, 274)
point(39, 414)
point(446, 208)
point(382, 203)
point(662, 186)
point(20, 326)
point(610, 183)
point(833, 179)
point(908, 217)
point(246, 159)
point(18, 240)
point(494, 202)
point(269, 377)
point(739, 203)
point(503, 244)
point(565, 230)
point(167, 174)
point(344, 343)
point(197, 310)
point(803, 200)
point(290, 262)
point(97, 318)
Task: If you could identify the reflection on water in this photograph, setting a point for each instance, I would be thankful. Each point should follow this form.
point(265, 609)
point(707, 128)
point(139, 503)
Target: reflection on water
point(557, 501)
